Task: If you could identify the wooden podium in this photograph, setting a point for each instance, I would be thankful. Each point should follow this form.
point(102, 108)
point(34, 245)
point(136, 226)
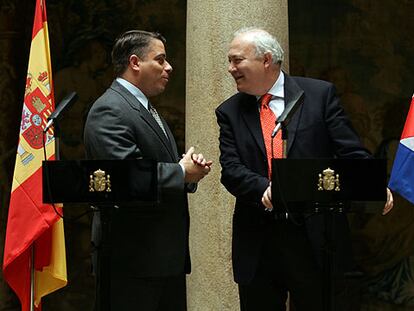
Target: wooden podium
point(328, 187)
point(105, 185)
point(329, 180)
point(99, 181)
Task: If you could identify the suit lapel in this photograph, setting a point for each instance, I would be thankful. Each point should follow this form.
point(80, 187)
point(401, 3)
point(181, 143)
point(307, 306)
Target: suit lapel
point(147, 117)
point(293, 92)
point(250, 114)
point(171, 139)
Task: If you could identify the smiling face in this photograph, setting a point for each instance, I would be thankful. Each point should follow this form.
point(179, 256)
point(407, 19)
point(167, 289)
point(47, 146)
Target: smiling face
point(247, 69)
point(253, 74)
point(154, 70)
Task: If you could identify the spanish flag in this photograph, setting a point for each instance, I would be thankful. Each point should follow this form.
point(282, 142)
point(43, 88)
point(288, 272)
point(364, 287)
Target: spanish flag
point(34, 233)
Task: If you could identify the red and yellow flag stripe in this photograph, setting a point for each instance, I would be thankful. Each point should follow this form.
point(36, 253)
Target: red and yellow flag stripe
point(31, 224)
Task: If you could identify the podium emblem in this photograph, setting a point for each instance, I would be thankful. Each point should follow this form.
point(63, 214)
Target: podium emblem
point(99, 181)
point(328, 180)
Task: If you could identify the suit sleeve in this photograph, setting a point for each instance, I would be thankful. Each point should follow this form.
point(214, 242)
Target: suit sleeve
point(239, 180)
point(109, 135)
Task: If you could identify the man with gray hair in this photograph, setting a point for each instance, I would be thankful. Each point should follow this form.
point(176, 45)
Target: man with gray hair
point(274, 256)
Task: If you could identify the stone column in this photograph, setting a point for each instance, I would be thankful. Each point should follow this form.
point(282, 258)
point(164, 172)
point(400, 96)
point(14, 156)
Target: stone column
point(210, 25)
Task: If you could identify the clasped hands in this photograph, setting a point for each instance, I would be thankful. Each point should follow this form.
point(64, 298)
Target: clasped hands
point(195, 166)
point(267, 200)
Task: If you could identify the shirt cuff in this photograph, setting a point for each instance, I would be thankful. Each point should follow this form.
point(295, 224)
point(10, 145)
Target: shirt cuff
point(183, 169)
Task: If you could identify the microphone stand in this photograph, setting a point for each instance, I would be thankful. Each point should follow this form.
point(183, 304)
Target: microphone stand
point(52, 121)
point(282, 121)
point(56, 135)
point(329, 212)
point(281, 126)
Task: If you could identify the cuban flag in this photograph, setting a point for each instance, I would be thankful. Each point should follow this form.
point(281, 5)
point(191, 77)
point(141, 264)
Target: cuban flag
point(402, 174)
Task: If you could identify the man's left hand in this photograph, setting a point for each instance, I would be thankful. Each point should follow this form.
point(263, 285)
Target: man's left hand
point(267, 198)
point(389, 204)
point(200, 160)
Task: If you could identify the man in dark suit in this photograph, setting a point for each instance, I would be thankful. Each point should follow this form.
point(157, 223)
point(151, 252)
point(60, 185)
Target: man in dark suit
point(147, 252)
point(273, 256)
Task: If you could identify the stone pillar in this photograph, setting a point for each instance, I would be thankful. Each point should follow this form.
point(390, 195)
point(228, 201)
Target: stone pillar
point(210, 25)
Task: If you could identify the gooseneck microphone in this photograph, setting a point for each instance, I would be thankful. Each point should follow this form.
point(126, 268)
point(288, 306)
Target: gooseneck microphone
point(64, 104)
point(288, 112)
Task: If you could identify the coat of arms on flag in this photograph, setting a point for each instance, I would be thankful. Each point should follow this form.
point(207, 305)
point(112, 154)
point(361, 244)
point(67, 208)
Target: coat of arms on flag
point(34, 262)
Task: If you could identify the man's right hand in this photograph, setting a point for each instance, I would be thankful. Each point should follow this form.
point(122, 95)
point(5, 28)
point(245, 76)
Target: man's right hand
point(195, 166)
point(267, 198)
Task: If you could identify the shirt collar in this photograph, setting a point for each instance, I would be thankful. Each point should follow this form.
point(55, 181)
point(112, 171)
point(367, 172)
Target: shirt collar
point(134, 91)
point(278, 89)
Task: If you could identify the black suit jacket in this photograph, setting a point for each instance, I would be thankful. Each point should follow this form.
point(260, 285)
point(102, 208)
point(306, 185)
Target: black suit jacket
point(318, 129)
point(149, 240)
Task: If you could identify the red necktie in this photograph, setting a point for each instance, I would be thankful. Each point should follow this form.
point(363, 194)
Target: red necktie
point(267, 120)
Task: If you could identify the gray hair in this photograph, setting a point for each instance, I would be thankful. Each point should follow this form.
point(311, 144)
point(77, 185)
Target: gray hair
point(263, 41)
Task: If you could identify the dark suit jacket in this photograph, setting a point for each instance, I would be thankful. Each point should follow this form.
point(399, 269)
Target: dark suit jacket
point(318, 129)
point(149, 240)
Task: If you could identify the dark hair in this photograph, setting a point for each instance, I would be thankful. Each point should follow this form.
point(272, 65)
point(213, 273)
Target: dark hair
point(132, 42)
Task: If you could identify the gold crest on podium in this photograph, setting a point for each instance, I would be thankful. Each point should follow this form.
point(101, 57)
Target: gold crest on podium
point(328, 180)
point(99, 181)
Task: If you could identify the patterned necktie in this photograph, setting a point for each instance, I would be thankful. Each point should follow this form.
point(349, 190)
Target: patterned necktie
point(268, 120)
point(157, 118)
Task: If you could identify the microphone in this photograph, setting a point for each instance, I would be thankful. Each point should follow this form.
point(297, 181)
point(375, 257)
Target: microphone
point(288, 112)
point(64, 104)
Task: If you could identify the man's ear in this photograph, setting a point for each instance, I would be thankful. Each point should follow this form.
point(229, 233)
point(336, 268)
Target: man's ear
point(267, 59)
point(134, 62)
